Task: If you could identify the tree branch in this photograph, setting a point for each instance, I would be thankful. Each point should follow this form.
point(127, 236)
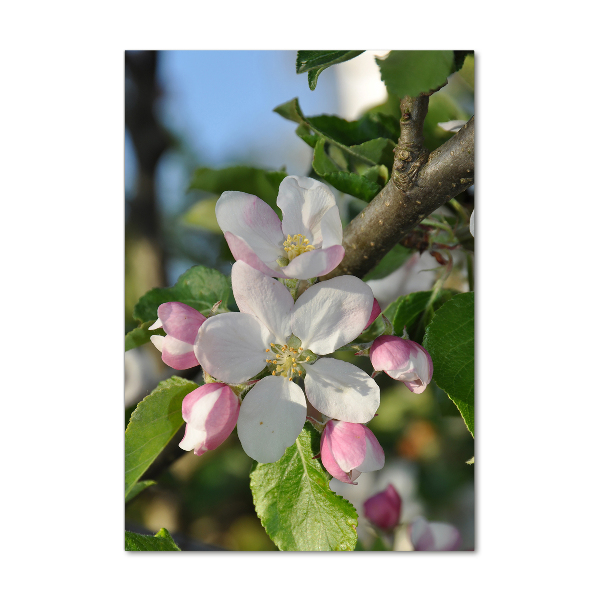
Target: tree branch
point(421, 182)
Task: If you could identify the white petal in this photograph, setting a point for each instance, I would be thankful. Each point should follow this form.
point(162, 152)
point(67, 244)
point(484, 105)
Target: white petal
point(445, 536)
point(231, 346)
point(252, 220)
point(265, 298)
point(303, 202)
point(341, 390)
point(332, 313)
point(158, 341)
point(331, 228)
point(175, 347)
point(193, 438)
point(314, 263)
point(156, 325)
point(271, 418)
point(452, 126)
point(241, 250)
point(374, 456)
point(471, 228)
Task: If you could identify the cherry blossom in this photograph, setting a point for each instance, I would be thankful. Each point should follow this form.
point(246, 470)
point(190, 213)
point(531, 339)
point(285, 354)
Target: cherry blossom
point(349, 449)
point(403, 360)
point(210, 412)
point(181, 324)
point(272, 332)
point(306, 244)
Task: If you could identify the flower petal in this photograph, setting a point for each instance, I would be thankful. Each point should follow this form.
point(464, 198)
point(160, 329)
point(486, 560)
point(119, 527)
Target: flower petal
point(252, 220)
point(374, 313)
point(314, 263)
point(347, 443)
point(331, 228)
point(271, 418)
point(210, 412)
point(180, 320)
point(341, 390)
point(231, 346)
point(264, 297)
point(304, 202)
point(434, 536)
point(374, 456)
point(177, 354)
point(242, 251)
point(332, 313)
point(330, 463)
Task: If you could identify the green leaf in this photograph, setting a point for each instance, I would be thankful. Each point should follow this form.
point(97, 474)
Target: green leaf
point(295, 504)
point(413, 72)
point(153, 423)
point(450, 340)
point(393, 260)
point(316, 61)
point(202, 215)
point(371, 139)
point(160, 542)
point(251, 180)
point(140, 335)
point(349, 183)
point(199, 287)
point(140, 486)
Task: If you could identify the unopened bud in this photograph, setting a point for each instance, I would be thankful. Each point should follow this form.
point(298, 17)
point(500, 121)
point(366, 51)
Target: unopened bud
point(383, 509)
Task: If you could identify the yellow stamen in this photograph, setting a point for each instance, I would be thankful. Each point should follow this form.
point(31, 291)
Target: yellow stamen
point(296, 245)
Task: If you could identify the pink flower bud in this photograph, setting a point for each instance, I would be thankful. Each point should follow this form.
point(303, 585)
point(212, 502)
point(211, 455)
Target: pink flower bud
point(403, 360)
point(181, 324)
point(433, 536)
point(349, 449)
point(383, 509)
point(211, 412)
point(374, 313)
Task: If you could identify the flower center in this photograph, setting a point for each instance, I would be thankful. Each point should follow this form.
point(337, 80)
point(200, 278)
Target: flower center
point(286, 360)
point(296, 245)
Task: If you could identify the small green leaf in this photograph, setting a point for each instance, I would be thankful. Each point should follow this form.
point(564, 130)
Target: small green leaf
point(393, 260)
point(139, 336)
point(160, 542)
point(202, 216)
point(307, 60)
point(450, 340)
point(153, 423)
point(295, 504)
point(140, 486)
point(199, 287)
point(251, 180)
point(349, 183)
point(413, 72)
point(316, 61)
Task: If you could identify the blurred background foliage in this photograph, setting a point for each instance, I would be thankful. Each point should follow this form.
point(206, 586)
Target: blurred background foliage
point(201, 122)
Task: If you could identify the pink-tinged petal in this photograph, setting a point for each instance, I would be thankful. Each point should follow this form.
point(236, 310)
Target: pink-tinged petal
point(374, 456)
point(383, 509)
point(180, 320)
point(434, 536)
point(403, 360)
point(231, 347)
point(210, 412)
point(252, 220)
point(332, 313)
point(314, 263)
point(330, 464)
point(331, 228)
point(271, 418)
point(341, 391)
point(243, 252)
point(374, 313)
point(175, 353)
point(347, 443)
point(304, 202)
point(264, 297)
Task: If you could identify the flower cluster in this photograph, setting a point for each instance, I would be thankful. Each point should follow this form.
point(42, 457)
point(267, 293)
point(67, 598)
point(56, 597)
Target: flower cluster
point(276, 341)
